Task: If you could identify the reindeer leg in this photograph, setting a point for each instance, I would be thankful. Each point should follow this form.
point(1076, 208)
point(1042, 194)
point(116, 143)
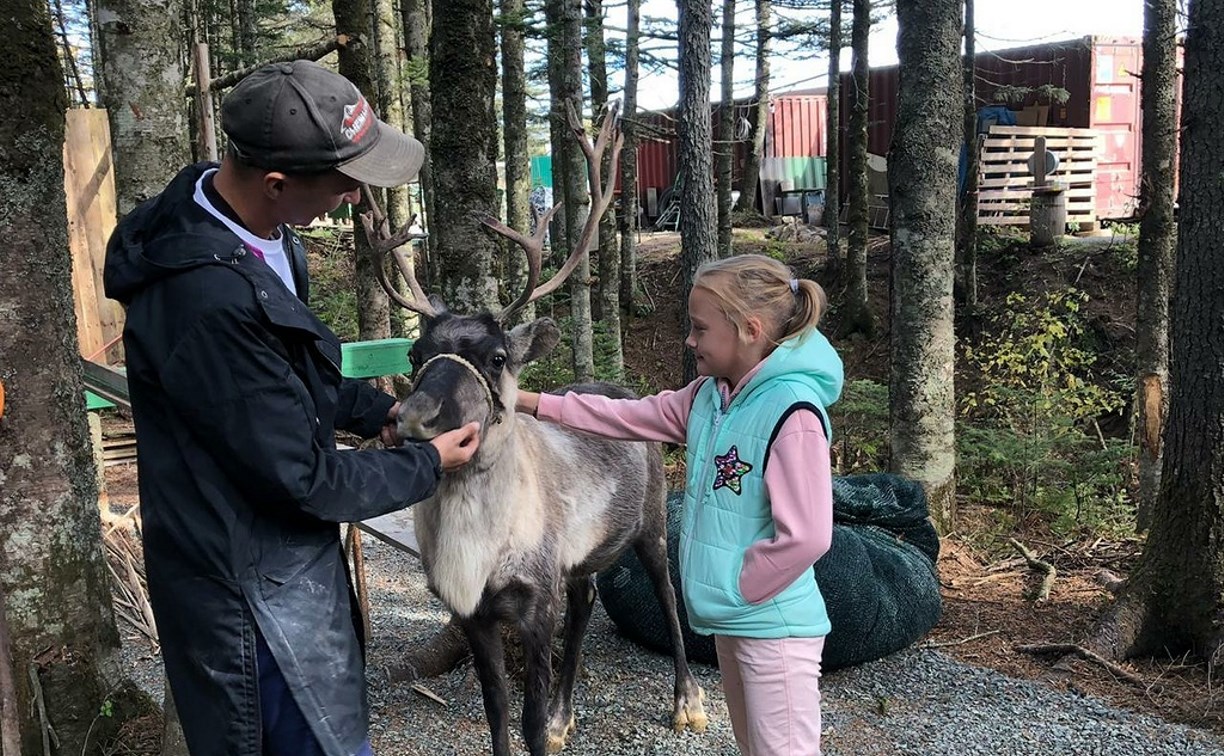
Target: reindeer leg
point(580, 597)
point(688, 713)
point(488, 655)
point(536, 628)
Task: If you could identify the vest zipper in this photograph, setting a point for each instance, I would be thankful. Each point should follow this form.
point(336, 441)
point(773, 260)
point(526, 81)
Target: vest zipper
point(705, 470)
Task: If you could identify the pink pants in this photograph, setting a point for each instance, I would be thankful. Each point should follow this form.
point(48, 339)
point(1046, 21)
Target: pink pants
point(772, 688)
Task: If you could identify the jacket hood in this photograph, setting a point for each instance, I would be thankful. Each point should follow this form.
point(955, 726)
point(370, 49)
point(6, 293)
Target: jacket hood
point(810, 357)
point(164, 236)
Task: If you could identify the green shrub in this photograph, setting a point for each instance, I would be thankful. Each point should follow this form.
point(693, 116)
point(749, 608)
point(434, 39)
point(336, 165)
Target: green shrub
point(860, 428)
point(1029, 437)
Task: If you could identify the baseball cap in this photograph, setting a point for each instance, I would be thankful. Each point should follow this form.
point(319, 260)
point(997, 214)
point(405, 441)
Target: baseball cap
point(299, 117)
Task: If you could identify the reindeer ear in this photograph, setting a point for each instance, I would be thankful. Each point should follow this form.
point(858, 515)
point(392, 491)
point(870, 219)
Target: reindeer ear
point(533, 340)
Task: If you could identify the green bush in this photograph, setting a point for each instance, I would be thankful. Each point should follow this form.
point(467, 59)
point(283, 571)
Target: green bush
point(860, 428)
point(1029, 437)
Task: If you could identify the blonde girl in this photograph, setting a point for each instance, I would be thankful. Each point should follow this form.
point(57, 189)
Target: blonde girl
point(758, 501)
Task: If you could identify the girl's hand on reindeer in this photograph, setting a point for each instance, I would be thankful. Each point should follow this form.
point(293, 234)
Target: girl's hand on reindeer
point(457, 447)
point(527, 402)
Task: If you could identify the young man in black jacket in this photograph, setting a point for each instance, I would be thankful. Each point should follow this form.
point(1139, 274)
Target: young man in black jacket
point(236, 394)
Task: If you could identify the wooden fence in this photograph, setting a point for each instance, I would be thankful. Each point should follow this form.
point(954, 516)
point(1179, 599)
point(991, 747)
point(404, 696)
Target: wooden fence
point(1005, 183)
point(89, 186)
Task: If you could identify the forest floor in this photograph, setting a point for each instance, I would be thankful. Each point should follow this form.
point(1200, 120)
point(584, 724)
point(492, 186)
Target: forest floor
point(986, 584)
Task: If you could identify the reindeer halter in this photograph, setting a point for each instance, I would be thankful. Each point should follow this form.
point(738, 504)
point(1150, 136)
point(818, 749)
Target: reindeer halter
point(494, 416)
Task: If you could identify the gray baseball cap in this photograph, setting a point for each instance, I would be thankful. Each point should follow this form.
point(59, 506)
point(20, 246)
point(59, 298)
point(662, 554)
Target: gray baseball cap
point(299, 117)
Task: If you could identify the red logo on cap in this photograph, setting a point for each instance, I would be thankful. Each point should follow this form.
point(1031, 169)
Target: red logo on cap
point(357, 120)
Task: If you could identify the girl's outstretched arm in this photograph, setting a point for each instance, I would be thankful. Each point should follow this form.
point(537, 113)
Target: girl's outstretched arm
point(799, 480)
point(661, 417)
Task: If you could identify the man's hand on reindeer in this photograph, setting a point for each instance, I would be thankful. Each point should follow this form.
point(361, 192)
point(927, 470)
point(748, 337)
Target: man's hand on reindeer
point(457, 447)
point(389, 435)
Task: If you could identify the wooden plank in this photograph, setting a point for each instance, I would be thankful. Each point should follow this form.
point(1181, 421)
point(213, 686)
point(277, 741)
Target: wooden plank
point(102, 221)
point(999, 207)
point(1046, 131)
point(89, 188)
point(1021, 167)
point(1087, 192)
point(995, 144)
point(397, 529)
point(78, 172)
point(1026, 182)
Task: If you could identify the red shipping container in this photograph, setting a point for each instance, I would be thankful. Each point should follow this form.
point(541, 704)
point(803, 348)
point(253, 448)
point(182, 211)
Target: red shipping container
point(1102, 76)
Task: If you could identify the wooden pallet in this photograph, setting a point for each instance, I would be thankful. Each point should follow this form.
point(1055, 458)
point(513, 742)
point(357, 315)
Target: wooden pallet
point(1005, 184)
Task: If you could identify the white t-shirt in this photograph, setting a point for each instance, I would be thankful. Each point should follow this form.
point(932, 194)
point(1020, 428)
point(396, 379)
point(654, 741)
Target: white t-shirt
point(272, 250)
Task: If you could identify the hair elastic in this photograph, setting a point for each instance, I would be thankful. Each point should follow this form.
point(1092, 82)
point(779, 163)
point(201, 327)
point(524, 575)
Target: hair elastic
point(794, 284)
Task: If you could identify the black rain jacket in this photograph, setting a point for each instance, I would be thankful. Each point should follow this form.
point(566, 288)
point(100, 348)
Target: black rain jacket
point(236, 394)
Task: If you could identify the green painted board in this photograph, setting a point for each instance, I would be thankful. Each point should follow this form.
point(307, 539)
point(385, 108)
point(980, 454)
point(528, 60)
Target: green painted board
point(95, 402)
point(372, 359)
point(360, 359)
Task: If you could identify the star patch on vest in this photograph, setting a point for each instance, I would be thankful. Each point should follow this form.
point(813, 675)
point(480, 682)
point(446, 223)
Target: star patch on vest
point(730, 469)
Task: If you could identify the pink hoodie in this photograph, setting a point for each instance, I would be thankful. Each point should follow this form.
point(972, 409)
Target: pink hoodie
point(798, 475)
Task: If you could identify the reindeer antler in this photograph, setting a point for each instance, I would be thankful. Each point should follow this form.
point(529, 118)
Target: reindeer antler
point(382, 241)
point(601, 197)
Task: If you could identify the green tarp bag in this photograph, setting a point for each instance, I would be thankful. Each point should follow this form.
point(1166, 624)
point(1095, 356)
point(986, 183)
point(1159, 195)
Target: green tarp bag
point(878, 578)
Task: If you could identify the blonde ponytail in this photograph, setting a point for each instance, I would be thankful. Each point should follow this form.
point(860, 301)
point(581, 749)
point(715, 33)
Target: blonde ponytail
point(748, 286)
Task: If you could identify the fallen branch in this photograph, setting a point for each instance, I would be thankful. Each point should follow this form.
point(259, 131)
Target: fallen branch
point(49, 737)
point(1047, 582)
point(422, 690)
point(962, 641)
point(1072, 648)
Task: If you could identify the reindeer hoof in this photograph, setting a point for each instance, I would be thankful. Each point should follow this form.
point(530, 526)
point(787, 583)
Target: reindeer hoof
point(690, 714)
point(559, 732)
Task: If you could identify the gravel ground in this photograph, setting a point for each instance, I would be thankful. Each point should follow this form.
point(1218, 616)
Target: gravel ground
point(916, 702)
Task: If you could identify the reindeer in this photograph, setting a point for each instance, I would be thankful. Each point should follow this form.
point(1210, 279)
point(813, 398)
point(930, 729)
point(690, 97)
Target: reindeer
point(539, 508)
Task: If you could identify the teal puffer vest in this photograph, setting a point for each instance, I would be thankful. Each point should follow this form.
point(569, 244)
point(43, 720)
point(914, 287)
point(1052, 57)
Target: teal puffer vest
point(726, 508)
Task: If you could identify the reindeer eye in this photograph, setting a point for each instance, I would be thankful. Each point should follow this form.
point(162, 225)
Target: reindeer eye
point(499, 361)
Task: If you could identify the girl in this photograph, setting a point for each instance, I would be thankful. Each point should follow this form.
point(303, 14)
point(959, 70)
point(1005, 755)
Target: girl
point(758, 501)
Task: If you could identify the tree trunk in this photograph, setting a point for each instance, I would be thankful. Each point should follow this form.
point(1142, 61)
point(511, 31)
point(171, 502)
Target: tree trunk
point(353, 19)
point(608, 310)
point(698, 216)
point(387, 88)
point(967, 253)
point(248, 46)
point(416, 63)
point(833, 141)
point(389, 104)
point(628, 163)
point(558, 141)
point(1174, 600)
point(759, 116)
point(514, 136)
point(62, 641)
point(922, 170)
point(463, 78)
point(858, 312)
point(726, 128)
point(565, 26)
point(1157, 236)
point(143, 85)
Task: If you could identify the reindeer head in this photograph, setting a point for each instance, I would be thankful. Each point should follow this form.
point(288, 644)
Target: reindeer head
point(465, 367)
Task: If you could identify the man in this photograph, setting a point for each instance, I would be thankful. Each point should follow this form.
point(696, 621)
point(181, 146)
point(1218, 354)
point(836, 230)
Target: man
point(236, 394)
